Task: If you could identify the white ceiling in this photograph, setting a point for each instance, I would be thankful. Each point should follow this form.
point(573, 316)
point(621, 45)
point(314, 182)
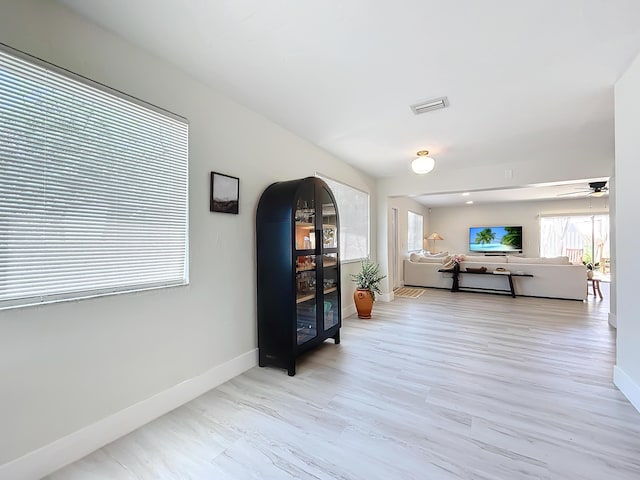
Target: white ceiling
point(525, 79)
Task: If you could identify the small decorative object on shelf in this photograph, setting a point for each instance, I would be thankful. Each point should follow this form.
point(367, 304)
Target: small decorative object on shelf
point(477, 270)
point(367, 285)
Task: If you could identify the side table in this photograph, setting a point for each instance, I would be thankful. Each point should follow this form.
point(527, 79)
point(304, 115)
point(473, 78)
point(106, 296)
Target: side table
point(595, 284)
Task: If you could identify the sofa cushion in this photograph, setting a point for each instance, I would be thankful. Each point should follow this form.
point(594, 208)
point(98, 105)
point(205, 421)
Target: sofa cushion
point(532, 261)
point(435, 255)
point(420, 258)
point(431, 259)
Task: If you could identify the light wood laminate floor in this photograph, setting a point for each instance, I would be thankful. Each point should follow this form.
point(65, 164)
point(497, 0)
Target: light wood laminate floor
point(445, 386)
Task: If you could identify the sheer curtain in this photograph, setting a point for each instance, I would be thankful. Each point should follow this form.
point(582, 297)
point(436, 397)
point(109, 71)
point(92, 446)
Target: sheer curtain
point(601, 237)
point(553, 232)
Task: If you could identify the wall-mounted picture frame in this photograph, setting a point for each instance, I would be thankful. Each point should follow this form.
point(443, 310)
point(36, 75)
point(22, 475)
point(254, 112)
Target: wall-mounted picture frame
point(225, 193)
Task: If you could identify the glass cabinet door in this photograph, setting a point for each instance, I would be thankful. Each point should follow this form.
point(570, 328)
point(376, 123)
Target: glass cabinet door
point(330, 288)
point(306, 326)
point(306, 268)
point(305, 218)
point(330, 270)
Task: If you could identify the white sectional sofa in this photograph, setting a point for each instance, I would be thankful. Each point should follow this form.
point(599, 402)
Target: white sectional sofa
point(552, 277)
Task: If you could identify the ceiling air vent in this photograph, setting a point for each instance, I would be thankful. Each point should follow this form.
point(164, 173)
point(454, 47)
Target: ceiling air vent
point(430, 105)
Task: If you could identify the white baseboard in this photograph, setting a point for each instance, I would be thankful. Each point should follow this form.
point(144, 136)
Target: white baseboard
point(627, 386)
point(613, 321)
point(68, 449)
point(386, 297)
point(349, 310)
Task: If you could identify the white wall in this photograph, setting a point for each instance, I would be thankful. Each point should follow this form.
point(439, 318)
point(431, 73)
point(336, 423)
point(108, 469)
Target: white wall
point(65, 366)
point(453, 222)
point(627, 102)
point(613, 217)
point(403, 205)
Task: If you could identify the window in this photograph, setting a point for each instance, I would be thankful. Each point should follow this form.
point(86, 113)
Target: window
point(414, 231)
point(583, 238)
point(93, 187)
point(353, 215)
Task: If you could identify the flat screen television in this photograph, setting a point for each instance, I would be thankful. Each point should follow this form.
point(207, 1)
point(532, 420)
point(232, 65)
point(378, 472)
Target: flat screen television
point(495, 239)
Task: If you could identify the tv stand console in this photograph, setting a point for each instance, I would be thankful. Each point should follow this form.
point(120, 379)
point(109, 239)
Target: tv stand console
point(455, 287)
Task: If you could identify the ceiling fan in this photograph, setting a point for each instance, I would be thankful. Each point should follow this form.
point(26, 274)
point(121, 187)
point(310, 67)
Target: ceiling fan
point(596, 189)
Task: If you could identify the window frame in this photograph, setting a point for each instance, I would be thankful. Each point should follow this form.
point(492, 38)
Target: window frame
point(73, 82)
point(342, 234)
point(571, 218)
point(409, 236)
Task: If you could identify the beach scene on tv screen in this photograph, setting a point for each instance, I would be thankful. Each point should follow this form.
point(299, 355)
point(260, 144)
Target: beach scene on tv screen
point(495, 239)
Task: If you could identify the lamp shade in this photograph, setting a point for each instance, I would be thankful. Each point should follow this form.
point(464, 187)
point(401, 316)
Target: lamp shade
point(423, 164)
point(434, 236)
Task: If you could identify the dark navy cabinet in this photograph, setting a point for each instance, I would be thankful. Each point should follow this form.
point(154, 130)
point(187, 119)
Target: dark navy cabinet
point(298, 263)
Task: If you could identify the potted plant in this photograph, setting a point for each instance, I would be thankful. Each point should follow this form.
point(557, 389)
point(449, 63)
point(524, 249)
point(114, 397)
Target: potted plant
point(367, 285)
point(589, 270)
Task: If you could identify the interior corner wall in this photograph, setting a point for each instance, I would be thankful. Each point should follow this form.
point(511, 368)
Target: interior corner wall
point(66, 365)
point(403, 205)
point(627, 119)
point(453, 222)
point(613, 218)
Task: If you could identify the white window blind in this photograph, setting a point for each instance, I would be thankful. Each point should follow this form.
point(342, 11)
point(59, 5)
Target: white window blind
point(414, 231)
point(93, 188)
point(353, 212)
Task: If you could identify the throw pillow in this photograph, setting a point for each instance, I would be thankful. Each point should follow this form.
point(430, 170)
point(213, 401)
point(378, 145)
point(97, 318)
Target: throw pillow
point(447, 262)
point(415, 257)
point(544, 260)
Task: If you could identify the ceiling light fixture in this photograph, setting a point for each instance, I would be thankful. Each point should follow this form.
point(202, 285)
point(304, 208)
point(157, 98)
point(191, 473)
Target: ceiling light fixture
point(429, 105)
point(466, 194)
point(470, 202)
point(423, 164)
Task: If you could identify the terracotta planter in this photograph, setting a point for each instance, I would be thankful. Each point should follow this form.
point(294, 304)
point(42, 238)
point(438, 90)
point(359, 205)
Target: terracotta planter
point(589, 274)
point(364, 302)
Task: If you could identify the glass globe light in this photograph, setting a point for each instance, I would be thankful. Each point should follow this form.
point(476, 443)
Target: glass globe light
point(423, 164)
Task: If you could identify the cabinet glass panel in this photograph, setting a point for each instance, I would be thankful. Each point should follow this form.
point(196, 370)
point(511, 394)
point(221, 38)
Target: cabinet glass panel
point(330, 287)
point(305, 217)
point(329, 221)
point(306, 298)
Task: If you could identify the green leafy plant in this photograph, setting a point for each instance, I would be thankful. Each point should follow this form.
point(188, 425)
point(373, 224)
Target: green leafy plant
point(369, 277)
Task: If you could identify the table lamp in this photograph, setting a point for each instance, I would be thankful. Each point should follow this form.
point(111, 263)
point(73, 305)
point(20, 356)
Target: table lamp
point(434, 236)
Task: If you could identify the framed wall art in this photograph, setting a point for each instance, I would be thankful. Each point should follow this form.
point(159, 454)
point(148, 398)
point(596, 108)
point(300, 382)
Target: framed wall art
point(225, 191)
